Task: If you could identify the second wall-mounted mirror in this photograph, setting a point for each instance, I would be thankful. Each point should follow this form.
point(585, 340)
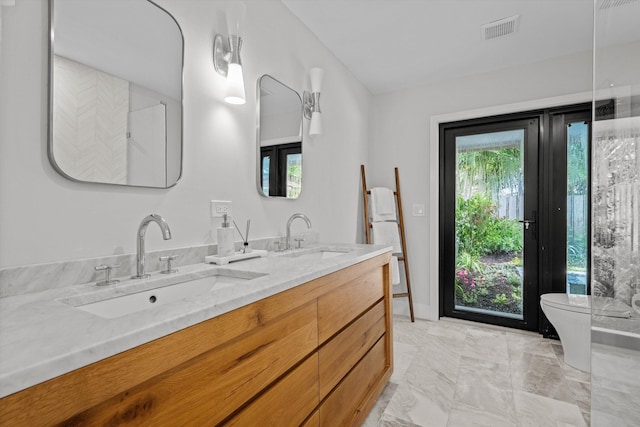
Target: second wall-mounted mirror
point(115, 92)
point(279, 136)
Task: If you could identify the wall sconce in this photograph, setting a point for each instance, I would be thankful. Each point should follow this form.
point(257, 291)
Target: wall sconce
point(312, 102)
point(227, 62)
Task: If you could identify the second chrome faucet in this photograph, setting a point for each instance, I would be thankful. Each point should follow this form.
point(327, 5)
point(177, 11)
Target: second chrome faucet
point(293, 217)
point(140, 251)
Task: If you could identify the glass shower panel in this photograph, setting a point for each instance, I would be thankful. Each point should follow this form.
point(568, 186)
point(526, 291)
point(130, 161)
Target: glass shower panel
point(615, 319)
point(616, 152)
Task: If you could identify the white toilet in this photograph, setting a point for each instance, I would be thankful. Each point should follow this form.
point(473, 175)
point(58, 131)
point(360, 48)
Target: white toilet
point(571, 316)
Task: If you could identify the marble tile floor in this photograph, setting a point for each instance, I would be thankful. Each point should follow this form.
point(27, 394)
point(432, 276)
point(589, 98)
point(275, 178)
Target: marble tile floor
point(453, 373)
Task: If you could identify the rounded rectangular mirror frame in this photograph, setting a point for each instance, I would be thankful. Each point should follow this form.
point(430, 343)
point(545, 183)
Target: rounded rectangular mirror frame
point(281, 143)
point(147, 105)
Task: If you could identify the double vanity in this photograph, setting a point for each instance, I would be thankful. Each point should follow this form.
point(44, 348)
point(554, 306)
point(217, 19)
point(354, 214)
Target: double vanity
point(299, 337)
point(295, 336)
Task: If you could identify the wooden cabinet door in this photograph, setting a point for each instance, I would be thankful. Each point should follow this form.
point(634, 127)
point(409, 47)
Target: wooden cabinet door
point(340, 306)
point(339, 355)
point(346, 404)
point(288, 403)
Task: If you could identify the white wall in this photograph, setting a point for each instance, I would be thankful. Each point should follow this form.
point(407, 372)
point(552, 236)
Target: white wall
point(142, 97)
point(280, 128)
point(90, 122)
point(44, 217)
point(401, 136)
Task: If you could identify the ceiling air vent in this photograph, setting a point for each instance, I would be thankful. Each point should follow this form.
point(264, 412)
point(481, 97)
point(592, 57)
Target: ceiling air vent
point(607, 4)
point(500, 28)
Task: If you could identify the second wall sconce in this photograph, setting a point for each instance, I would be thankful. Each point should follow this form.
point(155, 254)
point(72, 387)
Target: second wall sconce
point(227, 62)
point(312, 102)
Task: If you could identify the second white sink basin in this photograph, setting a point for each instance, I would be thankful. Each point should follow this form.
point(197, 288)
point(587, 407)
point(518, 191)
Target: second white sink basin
point(116, 306)
point(317, 254)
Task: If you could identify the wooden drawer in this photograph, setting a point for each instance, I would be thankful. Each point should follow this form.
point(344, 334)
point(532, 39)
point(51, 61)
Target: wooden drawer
point(313, 421)
point(344, 405)
point(340, 354)
point(288, 403)
point(340, 306)
point(218, 382)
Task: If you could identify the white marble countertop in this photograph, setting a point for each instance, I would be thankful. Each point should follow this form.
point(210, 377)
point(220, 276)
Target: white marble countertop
point(42, 337)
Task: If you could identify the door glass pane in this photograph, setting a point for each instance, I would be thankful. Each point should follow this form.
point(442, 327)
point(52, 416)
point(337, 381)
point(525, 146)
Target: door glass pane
point(577, 202)
point(489, 234)
point(294, 175)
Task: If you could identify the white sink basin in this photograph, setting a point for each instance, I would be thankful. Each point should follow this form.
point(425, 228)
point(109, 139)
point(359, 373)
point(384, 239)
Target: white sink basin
point(116, 306)
point(317, 254)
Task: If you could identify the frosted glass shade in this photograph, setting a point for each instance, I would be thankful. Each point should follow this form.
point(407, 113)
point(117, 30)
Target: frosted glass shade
point(316, 75)
point(315, 127)
point(235, 85)
point(236, 12)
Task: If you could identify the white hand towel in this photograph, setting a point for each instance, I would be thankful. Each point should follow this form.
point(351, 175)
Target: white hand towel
point(383, 204)
point(387, 233)
point(395, 271)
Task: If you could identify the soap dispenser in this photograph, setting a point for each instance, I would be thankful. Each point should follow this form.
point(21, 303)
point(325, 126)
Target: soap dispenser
point(225, 238)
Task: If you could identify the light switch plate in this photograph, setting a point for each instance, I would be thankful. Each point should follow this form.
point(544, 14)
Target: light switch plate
point(418, 210)
point(221, 207)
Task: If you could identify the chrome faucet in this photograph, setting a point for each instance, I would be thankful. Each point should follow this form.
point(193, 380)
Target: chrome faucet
point(140, 252)
point(293, 217)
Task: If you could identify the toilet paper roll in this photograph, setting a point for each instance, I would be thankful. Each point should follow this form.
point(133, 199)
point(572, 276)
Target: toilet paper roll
point(635, 303)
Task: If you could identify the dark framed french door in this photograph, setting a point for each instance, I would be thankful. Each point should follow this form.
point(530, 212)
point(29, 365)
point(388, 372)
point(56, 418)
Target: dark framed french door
point(489, 220)
point(514, 214)
point(569, 201)
point(565, 239)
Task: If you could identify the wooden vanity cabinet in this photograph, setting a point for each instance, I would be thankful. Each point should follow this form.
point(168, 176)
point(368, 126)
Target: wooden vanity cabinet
point(318, 354)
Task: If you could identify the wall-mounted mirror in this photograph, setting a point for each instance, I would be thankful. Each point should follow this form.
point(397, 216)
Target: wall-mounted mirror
point(279, 137)
point(115, 101)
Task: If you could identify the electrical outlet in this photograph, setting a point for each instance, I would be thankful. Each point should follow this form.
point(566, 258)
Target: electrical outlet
point(220, 207)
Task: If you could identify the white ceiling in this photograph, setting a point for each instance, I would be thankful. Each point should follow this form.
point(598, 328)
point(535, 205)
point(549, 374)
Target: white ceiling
point(391, 45)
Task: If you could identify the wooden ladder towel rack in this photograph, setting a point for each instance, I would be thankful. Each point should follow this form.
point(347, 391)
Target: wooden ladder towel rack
point(368, 228)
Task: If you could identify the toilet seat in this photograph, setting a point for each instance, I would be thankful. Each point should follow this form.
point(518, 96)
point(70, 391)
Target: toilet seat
point(570, 315)
point(561, 301)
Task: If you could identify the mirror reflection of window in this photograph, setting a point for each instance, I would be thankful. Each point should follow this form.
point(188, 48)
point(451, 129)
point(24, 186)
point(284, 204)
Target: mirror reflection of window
point(266, 165)
point(282, 176)
point(294, 174)
point(279, 139)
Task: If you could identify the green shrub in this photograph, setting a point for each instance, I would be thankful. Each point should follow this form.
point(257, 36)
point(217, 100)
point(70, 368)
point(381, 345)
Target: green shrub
point(479, 230)
point(467, 261)
point(513, 279)
point(466, 286)
point(577, 252)
point(501, 299)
